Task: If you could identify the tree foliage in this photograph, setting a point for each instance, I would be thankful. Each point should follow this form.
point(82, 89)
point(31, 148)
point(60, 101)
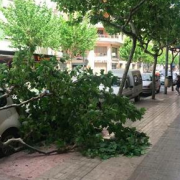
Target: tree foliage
point(76, 112)
point(30, 25)
point(73, 114)
point(77, 37)
point(152, 21)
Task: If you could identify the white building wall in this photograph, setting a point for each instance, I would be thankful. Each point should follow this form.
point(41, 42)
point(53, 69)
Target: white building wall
point(91, 58)
point(109, 58)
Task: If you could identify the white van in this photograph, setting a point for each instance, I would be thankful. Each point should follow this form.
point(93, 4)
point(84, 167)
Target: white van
point(9, 120)
point(133, 84)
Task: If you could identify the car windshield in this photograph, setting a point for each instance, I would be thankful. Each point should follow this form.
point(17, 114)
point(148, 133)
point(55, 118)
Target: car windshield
point(117, 82)
point(146, 77)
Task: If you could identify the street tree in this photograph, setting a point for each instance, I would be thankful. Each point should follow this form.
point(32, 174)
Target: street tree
point(145, 21)
point(161, 28)
point(28, 25)
point(77, 37)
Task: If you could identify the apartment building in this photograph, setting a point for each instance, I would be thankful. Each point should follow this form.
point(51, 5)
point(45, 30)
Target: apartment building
point(105, 54)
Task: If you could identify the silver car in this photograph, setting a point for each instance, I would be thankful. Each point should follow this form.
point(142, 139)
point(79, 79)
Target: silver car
point(147, 83)
point(9, 121)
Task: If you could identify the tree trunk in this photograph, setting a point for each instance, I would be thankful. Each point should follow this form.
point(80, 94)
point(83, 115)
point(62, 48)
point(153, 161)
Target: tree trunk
point(127, 65)
point(166, 67)
point(179, 63)
point(172, 87)
point(153, 77)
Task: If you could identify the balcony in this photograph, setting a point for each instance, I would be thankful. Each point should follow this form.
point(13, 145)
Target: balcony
point(117, 39)
point(101, 59)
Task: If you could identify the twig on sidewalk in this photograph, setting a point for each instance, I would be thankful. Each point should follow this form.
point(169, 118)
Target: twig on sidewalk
point(19, 140)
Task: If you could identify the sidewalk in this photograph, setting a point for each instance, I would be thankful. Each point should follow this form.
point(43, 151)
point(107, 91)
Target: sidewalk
point(162, 161)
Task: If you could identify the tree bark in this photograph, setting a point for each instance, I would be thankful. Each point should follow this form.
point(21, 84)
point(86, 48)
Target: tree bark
point(179, 63)
point(153, 77)
point(172, 87)
point(127, 65)
point(166, 67)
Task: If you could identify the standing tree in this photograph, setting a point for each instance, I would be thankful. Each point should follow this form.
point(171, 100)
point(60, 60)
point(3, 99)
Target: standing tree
point(155, 29)
point(77, 38)
point(29, 26)
point(145, 21)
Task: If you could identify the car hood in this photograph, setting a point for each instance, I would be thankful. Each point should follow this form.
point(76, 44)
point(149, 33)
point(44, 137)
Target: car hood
point(162, 78)
point(114, 88)
point(146, 83)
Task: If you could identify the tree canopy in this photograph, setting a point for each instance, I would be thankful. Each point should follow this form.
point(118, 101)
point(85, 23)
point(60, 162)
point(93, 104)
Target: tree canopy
point(77, 37)
point(60, 110)
point(139, 54)
point(27, 24)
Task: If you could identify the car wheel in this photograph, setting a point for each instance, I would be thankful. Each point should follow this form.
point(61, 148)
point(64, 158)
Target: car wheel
point(137, 98)
point(11, 133)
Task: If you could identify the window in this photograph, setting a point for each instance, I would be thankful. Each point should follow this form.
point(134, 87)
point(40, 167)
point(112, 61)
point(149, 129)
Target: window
point(100, 31)
point(114, 65)
point(116, 81)
point(114, 52)
point(3, 101)
point(100, 51)
point(137, 79)
point(147, 77)
point(133, 66)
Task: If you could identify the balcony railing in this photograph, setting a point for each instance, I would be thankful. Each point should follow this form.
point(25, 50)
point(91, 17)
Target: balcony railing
point(108, 36)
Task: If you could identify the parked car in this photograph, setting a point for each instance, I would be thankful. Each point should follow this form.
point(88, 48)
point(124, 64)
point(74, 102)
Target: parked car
point(9, 122)
point(147, 83)
point(133, 84)
point(162, 77)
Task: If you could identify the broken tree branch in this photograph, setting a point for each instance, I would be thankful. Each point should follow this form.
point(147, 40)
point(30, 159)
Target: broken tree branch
point(7, 92)
point(27, 101)
point(19, 140)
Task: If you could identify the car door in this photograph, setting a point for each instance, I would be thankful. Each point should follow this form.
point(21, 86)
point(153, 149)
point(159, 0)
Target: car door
point(127, 91)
